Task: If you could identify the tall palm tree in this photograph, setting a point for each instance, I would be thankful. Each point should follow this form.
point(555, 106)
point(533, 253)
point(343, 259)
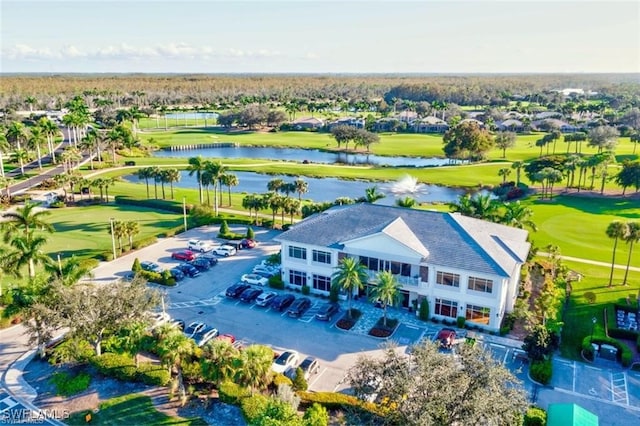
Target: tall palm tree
point(632, 237)
point(197, 166)
point(173, 349)
point(255, 371)
point(350, 275)
point(387, 291)
point(616, 230)
point(145, 173)
point(301, 186)
point(229, 180)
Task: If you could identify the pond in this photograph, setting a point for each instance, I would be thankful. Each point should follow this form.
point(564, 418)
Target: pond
point(328, 189)
point(306, 155)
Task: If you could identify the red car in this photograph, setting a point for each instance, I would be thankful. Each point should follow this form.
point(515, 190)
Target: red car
point(187, 255)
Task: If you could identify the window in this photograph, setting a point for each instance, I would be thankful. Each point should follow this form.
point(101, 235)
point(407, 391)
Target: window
point(297, 278)
point(446, 308)
point(478, 314)
point(480, 284)
point(297, 252)
point(321, 283)
point(321, 256)
point(447, 278)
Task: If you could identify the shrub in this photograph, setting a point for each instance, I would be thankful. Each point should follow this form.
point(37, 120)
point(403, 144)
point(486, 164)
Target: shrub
point(119, 366)
point(67, 385)
point(460, 322)
point(232, 393)
point(306, 289)
point(535, 417)
point(136, 266)
point(152, 374)
point(254, 407)
point(299, 382)
point(541, 371)
point(424, 310)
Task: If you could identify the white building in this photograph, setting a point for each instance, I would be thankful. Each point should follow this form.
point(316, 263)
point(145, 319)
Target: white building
point(463, 266)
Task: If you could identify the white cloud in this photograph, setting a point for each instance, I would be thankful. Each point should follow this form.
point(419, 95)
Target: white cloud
point(128, 52)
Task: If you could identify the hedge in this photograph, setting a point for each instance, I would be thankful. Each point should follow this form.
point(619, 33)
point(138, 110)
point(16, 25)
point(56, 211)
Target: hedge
point(339, 401)
point(624, 352)
point(231, 393)
point(541, 371)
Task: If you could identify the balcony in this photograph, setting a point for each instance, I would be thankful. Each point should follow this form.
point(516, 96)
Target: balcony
point(412, 281)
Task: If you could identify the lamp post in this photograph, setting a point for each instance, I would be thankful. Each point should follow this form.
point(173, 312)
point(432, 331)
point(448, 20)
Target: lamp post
point(593, 326)
point(184, 212)
point(113, 238)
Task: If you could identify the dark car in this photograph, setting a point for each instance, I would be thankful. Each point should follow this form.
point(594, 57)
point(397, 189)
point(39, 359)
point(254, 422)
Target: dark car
point(236, 290)
point(250, 294)
point(282, 302)
point(211, 258)
point(327, 311)
point(201, 264)
point(248, 243)
point(188, 270)
point(183, 255)
point(299, 307)
point(176, 273)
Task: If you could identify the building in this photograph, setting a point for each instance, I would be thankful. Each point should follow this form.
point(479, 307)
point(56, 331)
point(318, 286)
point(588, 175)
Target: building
point(463, 266)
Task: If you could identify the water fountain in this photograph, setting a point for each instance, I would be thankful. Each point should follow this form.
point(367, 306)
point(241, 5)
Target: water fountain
point(406, 185)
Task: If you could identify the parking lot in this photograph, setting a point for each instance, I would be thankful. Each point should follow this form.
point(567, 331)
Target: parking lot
point(202, 298)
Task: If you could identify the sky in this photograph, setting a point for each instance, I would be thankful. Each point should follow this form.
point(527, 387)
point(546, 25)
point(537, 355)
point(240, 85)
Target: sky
point(304, 36)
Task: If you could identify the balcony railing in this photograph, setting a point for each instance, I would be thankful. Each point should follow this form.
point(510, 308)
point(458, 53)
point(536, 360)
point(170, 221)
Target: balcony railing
point(414, 281)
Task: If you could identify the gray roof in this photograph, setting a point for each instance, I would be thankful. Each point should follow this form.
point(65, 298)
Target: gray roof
point(450, 239)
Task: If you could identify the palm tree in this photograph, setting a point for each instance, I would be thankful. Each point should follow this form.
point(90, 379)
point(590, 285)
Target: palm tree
point(173, 349)
point(145, 173)
point(632, 237)
point(301, 186)
point(616, 230)
point(229, 180)
point(372, 195)
point(219, 361)
point(197, 166)
point(255, 371)
point(171, 176)
point(387, 291)
point(350, 275)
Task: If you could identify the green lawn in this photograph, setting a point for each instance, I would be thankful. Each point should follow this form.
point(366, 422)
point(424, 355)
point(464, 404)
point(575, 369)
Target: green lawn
point(84, 231)
point(579, 313)
point(134, 409)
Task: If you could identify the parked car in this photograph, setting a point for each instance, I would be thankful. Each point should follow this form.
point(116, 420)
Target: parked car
point(151, 266)
point(250, 294)
point(446, 337)
point(204, 335)
point(248, 243)
point(309, 366)
point(299, 307)
point(282, 302)
point(188, 270)
point(183, 255)
point(176, 273)
point(201, 264)
point(236, 290)
point(227, 338)
point(327, 311)
point(193, 328)
point(225, 250)
point(286, 360)
point(254, 279)
point(212, 259)
point(198, 245)
point(265, 298)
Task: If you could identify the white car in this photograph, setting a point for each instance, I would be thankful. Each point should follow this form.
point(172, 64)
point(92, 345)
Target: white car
point(225, 250)
point(286, 360)
point(254, 279)
point(198, 245)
